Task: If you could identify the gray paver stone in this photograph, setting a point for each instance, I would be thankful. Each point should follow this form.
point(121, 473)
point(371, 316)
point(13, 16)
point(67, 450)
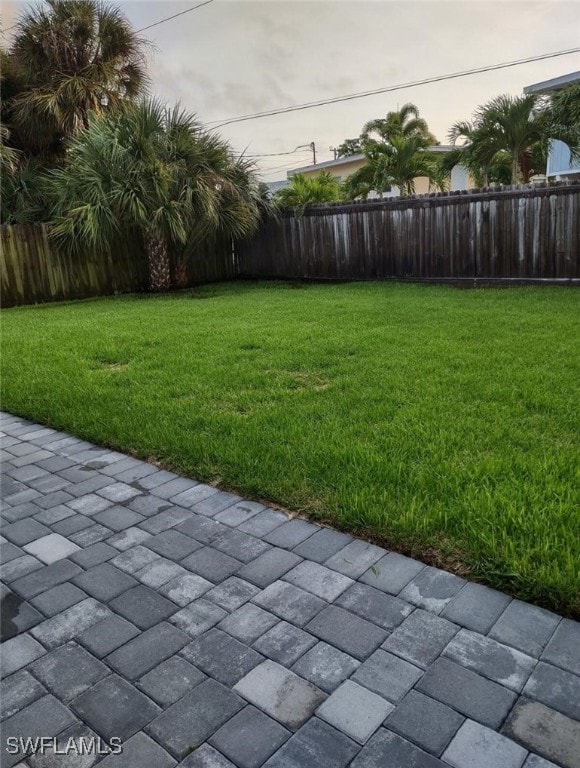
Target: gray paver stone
point(147, 650)
point(171, 680)
point(241, 545)
point(432, 589)
point(107, 635)
point(424, 721)
point(239, 513)
point(280, 693)
point(291, 534)
point(18, 691)
point(24, 531)
point(114, 707)
point(143, 607)
point(268, 567)
point(58, 599)
point(354, 559)
point(479, 747)
point(421, 638)
point(325, 666)
point(104, 581)
point(476, 607)
point(68, 671)
point(387, 675)
point(206, 757)
point(351, 634)
point(284, 643)
point(315, 744)
point(94, 555)
point(173, 544)
point(545, 731)
point(232, 593)
point(322, 545)
point(117, 518)
point(140, 751)
point(263, 523)
point(221, 656)
point(46, 717)
point(322, 582)
point(289, 602)
point(556, 688)
point(467, 692)
point(216, 503)
point(392, 573)
point(250, 737)
point(18, 652)
point(185, 588)
point(355, 710)
point(198, 617)
point(389, 749)
point(373, 605)
point(248, 623)
point(193, 719)
point(525, 627)
point(51, 548)
point(563, 650)
point(491, 659)
point(212, 565)
point(67, 624)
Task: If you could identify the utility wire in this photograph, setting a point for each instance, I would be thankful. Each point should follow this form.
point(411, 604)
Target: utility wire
point(391, 88)
point(175, 15)
point(150, 26)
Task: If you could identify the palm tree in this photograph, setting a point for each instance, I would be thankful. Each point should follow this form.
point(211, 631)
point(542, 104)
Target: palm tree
point(309, 190)
point(72, 57)
point(405, 122)
point(398, 162)
point(514, 127)
point(154, 174)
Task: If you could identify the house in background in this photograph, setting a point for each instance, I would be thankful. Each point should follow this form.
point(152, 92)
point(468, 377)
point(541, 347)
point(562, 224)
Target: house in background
point(345, 166)
point(561, 164)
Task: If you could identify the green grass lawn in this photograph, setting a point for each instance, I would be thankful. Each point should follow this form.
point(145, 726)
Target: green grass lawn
point(439, 422)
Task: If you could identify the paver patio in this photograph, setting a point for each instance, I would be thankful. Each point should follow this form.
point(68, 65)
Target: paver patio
point(206, 631)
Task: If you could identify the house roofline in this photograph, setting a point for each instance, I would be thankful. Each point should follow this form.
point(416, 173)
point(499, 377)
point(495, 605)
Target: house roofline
point(555, 84)
point(436, 149)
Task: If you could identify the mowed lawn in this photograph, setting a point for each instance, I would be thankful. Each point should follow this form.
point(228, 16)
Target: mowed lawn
point(441, 423)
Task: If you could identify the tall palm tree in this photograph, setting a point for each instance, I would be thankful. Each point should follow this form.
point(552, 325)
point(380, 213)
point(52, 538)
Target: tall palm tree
point(305, 190)
point(396, 163)
point(508, 126)
point(74, 57)
point(154, 174)
point(404, 122)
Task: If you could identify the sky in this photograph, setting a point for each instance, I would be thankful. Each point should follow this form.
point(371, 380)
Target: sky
point(234, 57)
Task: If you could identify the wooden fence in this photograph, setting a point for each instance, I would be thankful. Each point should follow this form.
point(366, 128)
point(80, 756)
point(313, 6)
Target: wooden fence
point(33, 269)
point(523, 233)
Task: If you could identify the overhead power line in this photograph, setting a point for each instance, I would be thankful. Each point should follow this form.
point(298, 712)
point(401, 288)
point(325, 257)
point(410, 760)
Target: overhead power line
point(150, 26)
point(175, 15)
point(391, 88)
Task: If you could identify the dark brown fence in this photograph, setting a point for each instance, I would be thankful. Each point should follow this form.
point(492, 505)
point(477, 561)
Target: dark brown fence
point(33, 269)
point(525, 233)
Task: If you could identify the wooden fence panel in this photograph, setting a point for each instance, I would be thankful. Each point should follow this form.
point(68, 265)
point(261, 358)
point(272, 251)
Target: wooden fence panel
point(33, 269)
point(522, 232)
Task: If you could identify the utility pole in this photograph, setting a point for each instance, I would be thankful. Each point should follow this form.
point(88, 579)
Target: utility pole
point(313, 148)
point(334, 151)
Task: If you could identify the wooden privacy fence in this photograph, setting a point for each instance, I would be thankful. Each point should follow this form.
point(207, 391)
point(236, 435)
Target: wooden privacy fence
point(528, 233)
point(33, 269)
point(524, 233)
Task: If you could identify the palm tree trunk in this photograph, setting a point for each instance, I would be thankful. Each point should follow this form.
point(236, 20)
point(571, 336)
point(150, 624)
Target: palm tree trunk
point(159, 269)
point(515, 167)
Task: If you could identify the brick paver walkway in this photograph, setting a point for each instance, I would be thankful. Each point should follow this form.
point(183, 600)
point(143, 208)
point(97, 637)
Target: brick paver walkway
point(208, 631)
